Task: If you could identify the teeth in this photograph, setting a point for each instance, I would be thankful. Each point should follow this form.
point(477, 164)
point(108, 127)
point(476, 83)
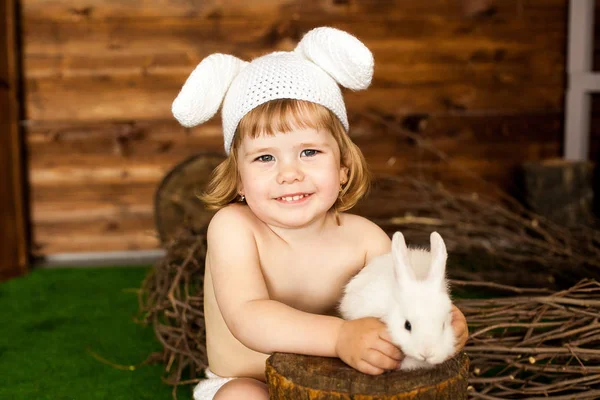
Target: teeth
point(292, 198)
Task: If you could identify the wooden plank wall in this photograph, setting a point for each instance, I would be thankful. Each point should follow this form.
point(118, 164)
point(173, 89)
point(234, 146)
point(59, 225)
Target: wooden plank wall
point(483, 79)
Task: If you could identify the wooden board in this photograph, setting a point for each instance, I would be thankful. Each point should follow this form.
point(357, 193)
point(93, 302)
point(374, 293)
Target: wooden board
point(81, 10)
point(13, 234)
point(125, 231)
point(96, 99)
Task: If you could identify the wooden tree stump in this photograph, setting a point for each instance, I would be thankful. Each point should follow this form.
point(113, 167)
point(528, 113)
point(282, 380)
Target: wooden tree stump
point(560, 190)
point(298, 377)
point(176, 202)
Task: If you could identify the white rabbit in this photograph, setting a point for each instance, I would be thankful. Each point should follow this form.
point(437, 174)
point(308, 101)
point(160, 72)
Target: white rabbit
point(407, 290)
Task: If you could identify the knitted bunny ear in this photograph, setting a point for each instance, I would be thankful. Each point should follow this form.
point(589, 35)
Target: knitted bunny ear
point(203, 92)
point(340, 54)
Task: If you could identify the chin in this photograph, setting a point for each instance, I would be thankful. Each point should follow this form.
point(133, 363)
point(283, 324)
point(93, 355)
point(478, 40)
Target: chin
point(298, 218)
point(292, 222)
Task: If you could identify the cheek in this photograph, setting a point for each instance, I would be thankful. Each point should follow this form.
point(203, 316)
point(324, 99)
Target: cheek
point(253, 184)
point(328, 175)
point(328, 186)
point(253, 187)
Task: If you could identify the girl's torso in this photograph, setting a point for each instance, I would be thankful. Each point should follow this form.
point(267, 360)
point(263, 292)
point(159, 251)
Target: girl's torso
point(309, 278)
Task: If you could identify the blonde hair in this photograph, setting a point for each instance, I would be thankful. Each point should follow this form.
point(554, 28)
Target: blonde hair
point(284, 115)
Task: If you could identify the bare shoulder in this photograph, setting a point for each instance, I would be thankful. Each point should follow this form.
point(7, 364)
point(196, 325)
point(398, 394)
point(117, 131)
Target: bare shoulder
point(368, 234)
point(232, 214)
point(230, 222)
point(357, 223)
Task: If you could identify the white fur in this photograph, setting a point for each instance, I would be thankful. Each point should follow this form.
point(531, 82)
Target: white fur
point(407, 284)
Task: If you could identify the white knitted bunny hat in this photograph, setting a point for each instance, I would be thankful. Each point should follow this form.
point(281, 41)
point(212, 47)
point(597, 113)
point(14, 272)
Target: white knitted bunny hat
point(324, 58)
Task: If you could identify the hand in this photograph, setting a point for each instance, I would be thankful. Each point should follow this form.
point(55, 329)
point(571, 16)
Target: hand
point(365, 345)
point(461, 330)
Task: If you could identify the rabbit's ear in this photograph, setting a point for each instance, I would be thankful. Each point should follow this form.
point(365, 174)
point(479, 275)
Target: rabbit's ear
point(439, 256)
point(402, 268)
point(204, 90)
point(340, 54)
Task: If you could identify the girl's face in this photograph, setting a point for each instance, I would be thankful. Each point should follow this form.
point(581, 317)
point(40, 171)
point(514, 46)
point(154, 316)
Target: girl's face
point(292, 179)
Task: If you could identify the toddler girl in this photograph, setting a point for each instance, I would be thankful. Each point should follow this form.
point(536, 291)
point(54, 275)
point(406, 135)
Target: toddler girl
point(280, 247)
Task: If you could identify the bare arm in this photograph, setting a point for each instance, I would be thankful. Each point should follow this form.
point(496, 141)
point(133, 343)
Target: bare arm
point(258, 322)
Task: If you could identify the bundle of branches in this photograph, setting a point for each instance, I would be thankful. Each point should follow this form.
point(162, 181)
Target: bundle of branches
point(491, 231)
point(496, 237)
point(535, 345)
point(171, 299)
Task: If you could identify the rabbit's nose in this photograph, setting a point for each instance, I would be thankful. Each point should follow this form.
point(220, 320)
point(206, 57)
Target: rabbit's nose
point(426, 354)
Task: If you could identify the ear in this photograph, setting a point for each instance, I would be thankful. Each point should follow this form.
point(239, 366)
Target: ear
point(439, 256)
point(402, 268)
point(343, 175)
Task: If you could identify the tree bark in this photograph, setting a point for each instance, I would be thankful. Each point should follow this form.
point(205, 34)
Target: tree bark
point(560, 190)
point(298, 377)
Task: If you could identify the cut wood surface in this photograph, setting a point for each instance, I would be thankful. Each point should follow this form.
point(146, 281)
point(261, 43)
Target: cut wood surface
point(481, 81)
point(294, 377)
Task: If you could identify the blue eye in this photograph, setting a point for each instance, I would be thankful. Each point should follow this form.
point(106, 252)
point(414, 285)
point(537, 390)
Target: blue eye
point(265, 158)
point(310, 152)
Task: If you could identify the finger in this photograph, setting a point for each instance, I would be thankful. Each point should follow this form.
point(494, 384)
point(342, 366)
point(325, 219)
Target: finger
point(380, 360)
point(459, 322)
point(388, 349)
point(459, 328)
point(394, 352)
point(456, 314)
point(385, 335)
point(464, 337)
point(367, 368)
point(461, 340)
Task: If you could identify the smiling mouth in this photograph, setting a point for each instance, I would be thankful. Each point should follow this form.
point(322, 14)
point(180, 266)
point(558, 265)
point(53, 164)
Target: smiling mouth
point(293, 198)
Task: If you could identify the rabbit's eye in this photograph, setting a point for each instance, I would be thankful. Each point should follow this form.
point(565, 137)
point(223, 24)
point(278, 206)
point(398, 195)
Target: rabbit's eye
point(407, 326)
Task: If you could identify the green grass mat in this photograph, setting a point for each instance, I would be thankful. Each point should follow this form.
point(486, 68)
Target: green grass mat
point(53, 319)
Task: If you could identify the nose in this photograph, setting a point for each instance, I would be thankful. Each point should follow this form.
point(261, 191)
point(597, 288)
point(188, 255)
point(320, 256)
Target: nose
point(427, 353)
point(289, 172)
